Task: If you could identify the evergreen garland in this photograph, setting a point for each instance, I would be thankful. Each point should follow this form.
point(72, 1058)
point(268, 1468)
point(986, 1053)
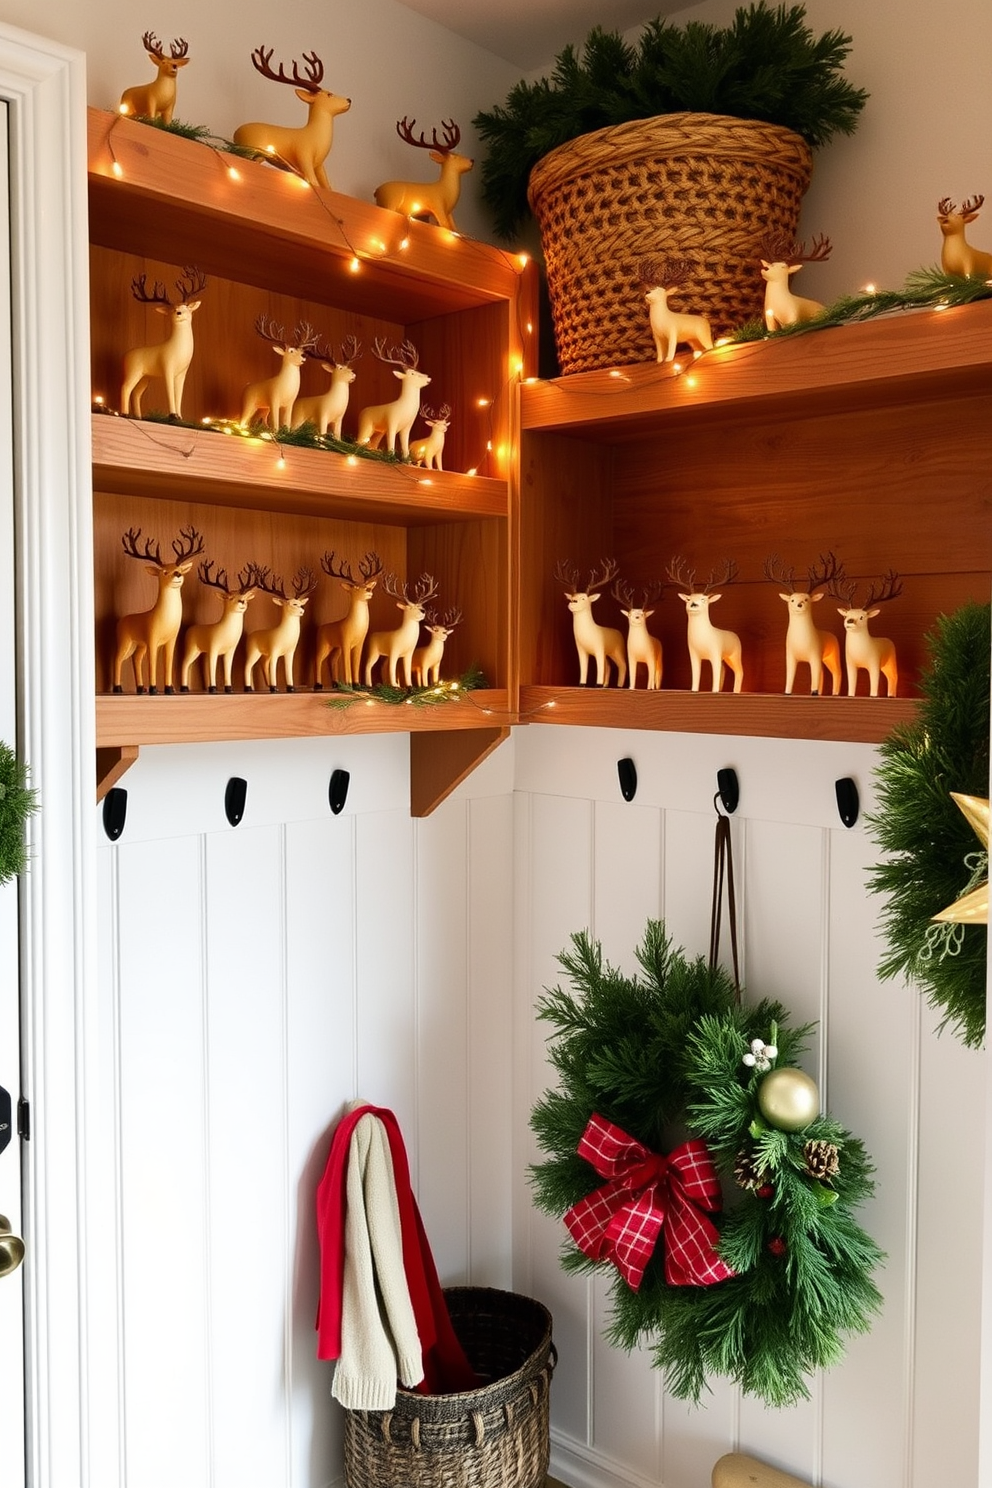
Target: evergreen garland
point(924, 836)
point(346, 693)
point(661, 1055)
point(925, 289)
point(17, 803)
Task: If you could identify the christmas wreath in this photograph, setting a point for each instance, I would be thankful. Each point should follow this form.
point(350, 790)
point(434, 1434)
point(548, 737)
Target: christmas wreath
point(671, 1091)
point(17, 802)
point(931, 858)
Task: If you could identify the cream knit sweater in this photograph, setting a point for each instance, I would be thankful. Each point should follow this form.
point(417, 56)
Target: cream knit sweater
point(379, 1339)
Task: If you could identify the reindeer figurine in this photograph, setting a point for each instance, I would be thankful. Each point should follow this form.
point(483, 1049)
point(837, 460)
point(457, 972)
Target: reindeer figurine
point(394, 420)
point(426, 666)
point(706, 641)
point(600, 642)
point(152, 633)
point(643, 649)
point(218, 640)
point(669, 328)
point(957, 256)
point(818, 649)
point(428, 451)
point(327, 410)
point(782, 260)
point(875, 655)
point(304, 149)
point(343, 639)
point(277, 395)
point(436, 199)
point(157, 99)
point(168, 359)
point(279, 643)
point(396, 647)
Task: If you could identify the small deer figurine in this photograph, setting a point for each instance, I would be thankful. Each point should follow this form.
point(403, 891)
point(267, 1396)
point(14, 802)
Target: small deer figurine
point(343, 639)
point(956, 255)
point(875, 655)
point(782, 260)
point(436, 199)
point(706, 641)
point(818, 649)
point(429, 451)
point(643, 649)
point(669, 328)
point(168, 359)
point(327, 410)
point(280, 642)
point(394, 420)
point(304, 149)
point(277, 395)
point(396, 647)
point(426, 665)
point(152, 633)
point(600, 642)
point(219, 640)
point(157, 99)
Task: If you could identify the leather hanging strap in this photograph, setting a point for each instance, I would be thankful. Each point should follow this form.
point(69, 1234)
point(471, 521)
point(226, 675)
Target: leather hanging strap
point(723, 871)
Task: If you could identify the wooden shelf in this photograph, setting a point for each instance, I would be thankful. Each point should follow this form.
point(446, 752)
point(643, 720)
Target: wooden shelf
point(852, 720)
point(134, 457)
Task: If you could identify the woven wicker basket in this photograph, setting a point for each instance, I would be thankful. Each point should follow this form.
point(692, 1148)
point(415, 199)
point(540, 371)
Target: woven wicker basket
point(700, 187)
point(492, 1437)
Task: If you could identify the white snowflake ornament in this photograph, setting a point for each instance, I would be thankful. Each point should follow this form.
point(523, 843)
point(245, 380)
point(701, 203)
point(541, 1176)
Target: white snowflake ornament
point(760, 1055)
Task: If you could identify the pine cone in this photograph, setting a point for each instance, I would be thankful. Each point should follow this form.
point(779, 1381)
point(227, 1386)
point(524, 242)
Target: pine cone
point(747, 1173)
point(821, 1160)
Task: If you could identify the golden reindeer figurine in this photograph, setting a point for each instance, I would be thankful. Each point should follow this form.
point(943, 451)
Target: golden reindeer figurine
point(340, 642)
point(394, 420)
point(279, 642)
point(429, 451)
point(157, 99)
point(670, 328)
point(168, 359)
point(875, 655)
point(783, 259)
point(303, 149)
point(396, 647)
point(277, 395)
point(643, 649)
point(804, 644)
point(152, 633)
point(218, 641)
point(957, 256)
point(326, 410)
point(707, 642)
point(427, 658)
point(600, 643)
point(436, 199)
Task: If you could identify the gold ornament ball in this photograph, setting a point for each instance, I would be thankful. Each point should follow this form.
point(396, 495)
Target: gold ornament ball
point(788, 1099)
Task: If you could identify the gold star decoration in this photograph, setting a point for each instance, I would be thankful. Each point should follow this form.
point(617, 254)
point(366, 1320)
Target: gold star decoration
point(972, 908)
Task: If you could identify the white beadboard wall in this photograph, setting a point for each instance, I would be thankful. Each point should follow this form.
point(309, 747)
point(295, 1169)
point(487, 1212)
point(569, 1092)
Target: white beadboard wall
point(253, 980)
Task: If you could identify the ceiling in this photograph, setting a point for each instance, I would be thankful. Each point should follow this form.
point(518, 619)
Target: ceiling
point(530, 33)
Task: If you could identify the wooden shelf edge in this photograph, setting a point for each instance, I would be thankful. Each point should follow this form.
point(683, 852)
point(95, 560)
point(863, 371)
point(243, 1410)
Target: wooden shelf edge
point(846, 720)
point(441, 761)
point(126, 720)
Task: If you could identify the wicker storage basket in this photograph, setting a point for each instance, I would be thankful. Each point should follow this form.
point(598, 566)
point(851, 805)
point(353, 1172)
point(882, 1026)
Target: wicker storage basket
point(701, 187)
point(492, 1437)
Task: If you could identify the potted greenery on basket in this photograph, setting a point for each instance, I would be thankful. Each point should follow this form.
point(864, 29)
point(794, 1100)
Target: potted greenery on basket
point(693, 143)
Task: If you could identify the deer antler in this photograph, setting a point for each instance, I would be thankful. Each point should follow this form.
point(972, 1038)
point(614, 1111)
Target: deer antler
point(304, 582)
point(678, 574)
point(729, 574)
point(787, 250)
point(664, 273)
point(596, 580)
point(130, 542)
point(246, 578)
point(262, 56)
point(304, 335)
point(972, 203)
point(405, 355)
point(370, 567)
point(426, 588)
point(187, 544)
point(178, 47)
point(567, 575)
point(827, 572)
point(891, 588)
point(435, 418)
point(349, 351)
point(190, 282)
point(775, 570)
point(452, 135)
point(158, 296)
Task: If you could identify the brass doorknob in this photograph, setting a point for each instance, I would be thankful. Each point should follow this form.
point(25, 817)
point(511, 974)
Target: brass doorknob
point(11, 1248)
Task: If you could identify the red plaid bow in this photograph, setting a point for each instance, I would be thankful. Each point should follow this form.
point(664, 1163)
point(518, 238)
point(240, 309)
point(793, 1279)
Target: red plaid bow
point(647, 1194)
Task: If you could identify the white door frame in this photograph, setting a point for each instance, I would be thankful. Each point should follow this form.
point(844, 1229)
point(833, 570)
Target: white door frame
point(44, 86)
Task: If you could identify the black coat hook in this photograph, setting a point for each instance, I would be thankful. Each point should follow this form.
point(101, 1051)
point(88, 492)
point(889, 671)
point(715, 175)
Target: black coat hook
point(728, 790)
point(337, 790)
point(114, 812)
point(234, 799)
point(848, 803)
point(627, 772)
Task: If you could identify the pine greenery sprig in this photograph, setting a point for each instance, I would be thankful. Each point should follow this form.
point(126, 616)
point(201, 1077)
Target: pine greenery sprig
point(347, 693)
point(17, 802)
point(925, 289)
point(922, 835)
point(767, 65)
point(660, 1054)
